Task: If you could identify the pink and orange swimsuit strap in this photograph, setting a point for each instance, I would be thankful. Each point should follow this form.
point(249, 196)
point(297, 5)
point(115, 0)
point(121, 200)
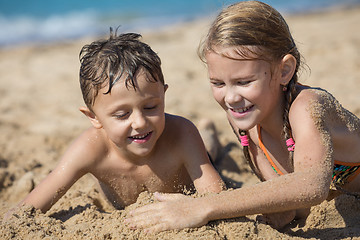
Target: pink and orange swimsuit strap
point(343, 172)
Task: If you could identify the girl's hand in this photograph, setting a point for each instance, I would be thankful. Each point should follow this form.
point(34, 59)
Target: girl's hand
point(277, 220)
point(174, 211)
point(282, 219)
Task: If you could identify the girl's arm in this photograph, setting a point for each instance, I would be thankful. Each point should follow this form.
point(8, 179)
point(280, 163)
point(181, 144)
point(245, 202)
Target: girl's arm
point(308, 185)
point(178, 211)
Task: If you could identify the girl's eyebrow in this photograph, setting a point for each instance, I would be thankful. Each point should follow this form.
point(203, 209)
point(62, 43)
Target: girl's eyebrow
point(214, 79)
point(246, 78)
point(252, 76)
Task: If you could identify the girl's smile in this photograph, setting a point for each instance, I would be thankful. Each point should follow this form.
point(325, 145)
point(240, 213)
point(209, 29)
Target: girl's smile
point(245, 88)
point(240, 112)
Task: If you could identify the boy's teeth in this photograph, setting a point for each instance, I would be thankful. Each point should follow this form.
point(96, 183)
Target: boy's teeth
point(241, 110)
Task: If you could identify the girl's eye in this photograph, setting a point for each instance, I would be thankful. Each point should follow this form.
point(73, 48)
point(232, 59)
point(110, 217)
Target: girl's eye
point(243, 83)
point(216, 83)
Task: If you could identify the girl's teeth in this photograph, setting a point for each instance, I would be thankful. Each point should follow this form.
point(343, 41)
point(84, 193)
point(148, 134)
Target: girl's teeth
point(140, 136)
point(241, 110)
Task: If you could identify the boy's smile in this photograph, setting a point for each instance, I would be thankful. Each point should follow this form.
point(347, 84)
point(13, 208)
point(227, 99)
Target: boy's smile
point(141, 138)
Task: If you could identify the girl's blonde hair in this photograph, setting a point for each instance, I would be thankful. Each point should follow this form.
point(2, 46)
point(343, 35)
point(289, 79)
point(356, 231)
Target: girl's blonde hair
point(255, 29)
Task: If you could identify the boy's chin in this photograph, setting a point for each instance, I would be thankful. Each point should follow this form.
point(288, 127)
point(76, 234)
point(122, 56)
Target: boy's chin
point(141, 152)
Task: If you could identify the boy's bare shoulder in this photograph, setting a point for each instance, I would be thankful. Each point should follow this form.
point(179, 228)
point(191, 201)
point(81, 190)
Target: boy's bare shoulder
point(90, 146)
point(179, 131)
point(181, 137)
point(177, 123)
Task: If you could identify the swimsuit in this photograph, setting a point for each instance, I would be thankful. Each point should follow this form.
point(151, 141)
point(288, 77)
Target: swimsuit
point(343, 172)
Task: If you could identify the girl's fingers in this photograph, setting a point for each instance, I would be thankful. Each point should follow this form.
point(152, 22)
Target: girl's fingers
point(157, 228)
point(142, 220)
point(144, 209)
point(174, 211)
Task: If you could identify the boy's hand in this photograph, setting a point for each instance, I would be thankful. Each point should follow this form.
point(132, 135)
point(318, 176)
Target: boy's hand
point(174, 211)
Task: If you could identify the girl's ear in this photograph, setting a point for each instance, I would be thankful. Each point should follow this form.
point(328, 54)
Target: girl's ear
point(91, 116)
point(288, 66)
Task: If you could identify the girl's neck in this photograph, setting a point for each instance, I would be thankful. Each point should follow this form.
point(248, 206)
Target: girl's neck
point(273, 124)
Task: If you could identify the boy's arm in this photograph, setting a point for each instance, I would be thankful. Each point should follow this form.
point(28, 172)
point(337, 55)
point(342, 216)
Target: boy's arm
point(76, 161)
point(197, 163)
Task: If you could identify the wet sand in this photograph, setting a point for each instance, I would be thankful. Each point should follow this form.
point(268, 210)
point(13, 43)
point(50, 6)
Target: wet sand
point(40, 96)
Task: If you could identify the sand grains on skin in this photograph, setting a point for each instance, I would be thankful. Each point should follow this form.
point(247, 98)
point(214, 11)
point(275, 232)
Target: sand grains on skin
point(34, 133)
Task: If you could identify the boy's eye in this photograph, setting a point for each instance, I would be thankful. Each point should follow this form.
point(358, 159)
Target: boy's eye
point(121, 115)
point(150, 107)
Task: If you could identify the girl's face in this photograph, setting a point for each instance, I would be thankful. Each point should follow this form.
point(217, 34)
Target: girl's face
point(132, 119)
point(246, 89)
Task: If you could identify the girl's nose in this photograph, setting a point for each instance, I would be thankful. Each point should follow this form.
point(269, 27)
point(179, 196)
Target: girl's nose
point(138, 120)
point(232, 96)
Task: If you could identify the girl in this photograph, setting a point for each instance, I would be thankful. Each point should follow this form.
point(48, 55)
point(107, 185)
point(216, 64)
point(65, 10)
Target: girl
point(298, 140)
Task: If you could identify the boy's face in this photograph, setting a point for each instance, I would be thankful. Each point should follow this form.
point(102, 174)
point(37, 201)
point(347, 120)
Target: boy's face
point(132, 119)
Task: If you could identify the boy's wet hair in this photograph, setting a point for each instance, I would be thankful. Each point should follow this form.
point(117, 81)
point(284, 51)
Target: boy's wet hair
point(104, 62)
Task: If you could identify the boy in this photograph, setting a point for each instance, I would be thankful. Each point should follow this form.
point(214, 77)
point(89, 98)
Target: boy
point(133, 145)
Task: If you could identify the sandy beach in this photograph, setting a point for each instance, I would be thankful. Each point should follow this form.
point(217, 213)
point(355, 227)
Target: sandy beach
point(40, 97)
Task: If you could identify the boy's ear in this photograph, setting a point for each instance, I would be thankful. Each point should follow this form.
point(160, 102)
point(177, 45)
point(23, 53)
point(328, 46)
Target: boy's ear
point(288, 66)
point(166, 87)
point(91, 116)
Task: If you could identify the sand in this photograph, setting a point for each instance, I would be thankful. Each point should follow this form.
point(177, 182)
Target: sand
point(39, 118)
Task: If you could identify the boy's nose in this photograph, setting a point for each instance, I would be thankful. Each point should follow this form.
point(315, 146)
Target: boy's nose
point(138, 121)
point(232, 96)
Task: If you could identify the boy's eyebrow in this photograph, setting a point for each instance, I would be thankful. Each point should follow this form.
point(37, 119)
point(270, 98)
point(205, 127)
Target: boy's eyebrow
point(115, 108)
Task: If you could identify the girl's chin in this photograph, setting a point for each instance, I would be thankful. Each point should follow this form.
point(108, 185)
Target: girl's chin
point(241, 115)
point(242, 124)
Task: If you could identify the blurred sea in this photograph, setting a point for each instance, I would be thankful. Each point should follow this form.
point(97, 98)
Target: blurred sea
point(39, 21)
